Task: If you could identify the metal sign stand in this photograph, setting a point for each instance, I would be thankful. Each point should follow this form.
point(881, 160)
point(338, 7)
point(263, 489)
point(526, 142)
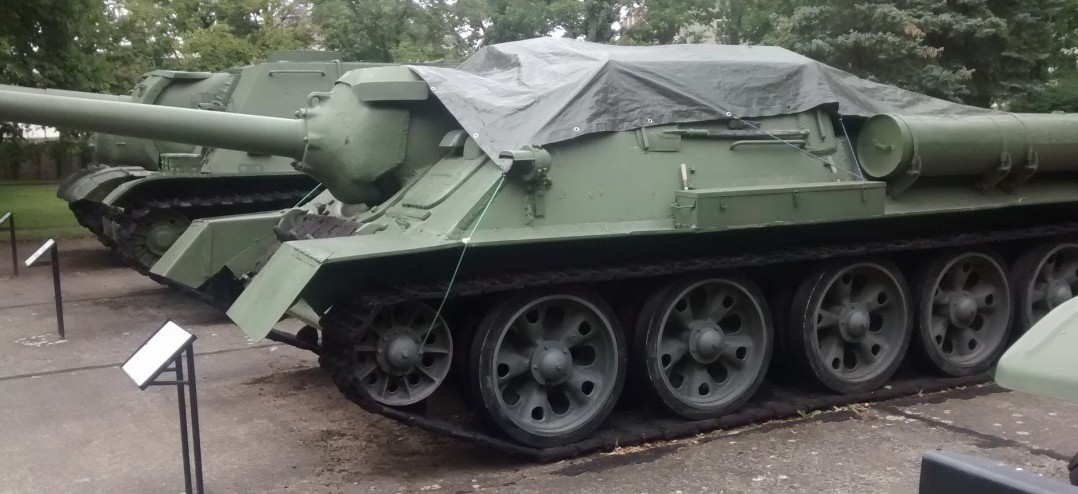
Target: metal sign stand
point(166, 350)
point(9, 218)
point(195, 441)
point(51, 247)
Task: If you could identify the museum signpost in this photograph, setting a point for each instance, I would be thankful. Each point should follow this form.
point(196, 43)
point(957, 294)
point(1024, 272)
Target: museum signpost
point(165, 351)
point(54, 260)
point(9, 219)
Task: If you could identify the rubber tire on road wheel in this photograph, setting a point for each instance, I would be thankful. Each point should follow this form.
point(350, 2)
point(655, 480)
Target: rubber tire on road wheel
point(645, 355)
point(925, 283)
point(484, 344)
point(1024, 273)
point(808, 295)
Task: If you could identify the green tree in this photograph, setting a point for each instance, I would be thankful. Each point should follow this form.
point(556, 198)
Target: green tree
point(976, 51)
point(234, 32)
point(876, 40)
point(670, 21)
point(590, 20)
point(386, 30)
point(485, 22)
point(1060, 94)
point(202, 35)
point(1006, 45)
point(53, 43)
point(749, 21)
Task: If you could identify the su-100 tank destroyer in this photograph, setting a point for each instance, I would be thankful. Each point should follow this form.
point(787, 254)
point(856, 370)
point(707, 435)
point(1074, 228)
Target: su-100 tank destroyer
point(140, 194)
point(119, 159)
point(529, 232)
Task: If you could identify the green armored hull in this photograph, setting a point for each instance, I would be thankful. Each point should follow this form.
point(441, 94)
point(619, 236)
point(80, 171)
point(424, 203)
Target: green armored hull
point(555, 225)
point(141, 194)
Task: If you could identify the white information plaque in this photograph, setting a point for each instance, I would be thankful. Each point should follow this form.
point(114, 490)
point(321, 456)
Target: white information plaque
point(39, 252)
point(156, 353)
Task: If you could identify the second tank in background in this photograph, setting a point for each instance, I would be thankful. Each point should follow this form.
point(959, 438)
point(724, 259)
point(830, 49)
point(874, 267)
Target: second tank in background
point(140, 194)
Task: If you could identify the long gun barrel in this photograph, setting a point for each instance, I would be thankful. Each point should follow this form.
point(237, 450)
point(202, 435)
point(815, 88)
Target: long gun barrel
point(256, 134)
point(346, 138)
point(62, 92)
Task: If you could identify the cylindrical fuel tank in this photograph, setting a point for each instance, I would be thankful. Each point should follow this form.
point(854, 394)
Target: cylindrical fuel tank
point(888, 144)
point(1054, 138)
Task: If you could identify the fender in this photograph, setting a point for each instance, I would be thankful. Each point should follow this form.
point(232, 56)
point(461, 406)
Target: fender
point(1042, 362)
point(98, 183)
point(208, 246)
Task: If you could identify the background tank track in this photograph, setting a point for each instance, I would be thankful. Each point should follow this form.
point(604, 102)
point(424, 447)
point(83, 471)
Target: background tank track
point(442, 414)
point(89, 216)
point(193, 207)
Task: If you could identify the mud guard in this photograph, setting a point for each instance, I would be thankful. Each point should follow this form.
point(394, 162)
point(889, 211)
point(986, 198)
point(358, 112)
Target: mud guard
point(98, 183)
point(1042, 362)
point(154, 183)
point(286, 280)
point(208, 246)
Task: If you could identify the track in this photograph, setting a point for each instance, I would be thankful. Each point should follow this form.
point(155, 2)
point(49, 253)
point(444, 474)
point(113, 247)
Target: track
point(89, 215)
point(627, 427)
point(127, 219)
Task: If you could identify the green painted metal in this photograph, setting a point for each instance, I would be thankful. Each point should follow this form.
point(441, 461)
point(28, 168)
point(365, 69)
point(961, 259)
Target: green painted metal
point(157, 167)
point(207, 247)
point(406, 183)
point(260, 135)
point(786, 204)
point(95, 183)
point(991, 148)
point(287, 275)
point(61, 92)
point(163, 88)
point(1042, 361)
point(302, 56)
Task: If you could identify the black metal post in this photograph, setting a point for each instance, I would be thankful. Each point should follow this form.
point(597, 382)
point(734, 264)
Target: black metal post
point(9, 217)
point(55, 252)
point(194, 418)
point(183, 426)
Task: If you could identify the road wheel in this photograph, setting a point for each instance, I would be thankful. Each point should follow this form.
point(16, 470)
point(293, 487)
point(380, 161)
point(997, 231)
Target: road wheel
point(1044, 277)
point(400, 358)
point(549, 365)
point(153, 235)
point(963, 312)
point(850, 325)
point(705, 344)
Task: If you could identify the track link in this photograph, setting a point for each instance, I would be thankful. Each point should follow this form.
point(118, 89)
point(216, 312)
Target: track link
point(349, 319)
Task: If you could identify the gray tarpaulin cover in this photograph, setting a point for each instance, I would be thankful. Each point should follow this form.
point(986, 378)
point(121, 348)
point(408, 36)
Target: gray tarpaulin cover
point(547, 90)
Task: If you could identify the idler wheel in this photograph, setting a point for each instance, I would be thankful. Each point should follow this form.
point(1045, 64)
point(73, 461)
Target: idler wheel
point(154, 234)
point(1044, 277)
point(549, 365)
point(850, 325)
point(705, 344)
point(402, 356)
point(963, 312)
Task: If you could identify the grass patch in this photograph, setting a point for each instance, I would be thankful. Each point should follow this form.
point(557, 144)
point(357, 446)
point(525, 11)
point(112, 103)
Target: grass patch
point(39, 214)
